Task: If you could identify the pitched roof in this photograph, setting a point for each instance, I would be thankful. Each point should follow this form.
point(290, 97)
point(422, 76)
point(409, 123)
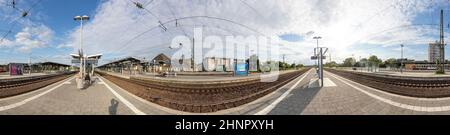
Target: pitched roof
point(161, 57)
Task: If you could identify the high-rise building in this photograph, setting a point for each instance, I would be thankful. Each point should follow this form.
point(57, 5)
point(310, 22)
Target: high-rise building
point(434, 52)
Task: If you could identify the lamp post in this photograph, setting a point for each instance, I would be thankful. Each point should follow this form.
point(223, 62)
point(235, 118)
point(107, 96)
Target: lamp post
point(401, 59)
point(81, 53)
point(317, 47)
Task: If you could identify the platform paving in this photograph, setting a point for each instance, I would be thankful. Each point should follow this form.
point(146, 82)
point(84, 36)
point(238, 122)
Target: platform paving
point(350, 98)
point(67, 100)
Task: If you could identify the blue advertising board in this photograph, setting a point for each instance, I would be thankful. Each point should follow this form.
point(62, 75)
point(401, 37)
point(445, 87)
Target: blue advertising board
point(241, 69)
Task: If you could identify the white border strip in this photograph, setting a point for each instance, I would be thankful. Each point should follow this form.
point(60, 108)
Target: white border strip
point(126, 102)
point(3, 108)
point(393, 103)
point(279, 99)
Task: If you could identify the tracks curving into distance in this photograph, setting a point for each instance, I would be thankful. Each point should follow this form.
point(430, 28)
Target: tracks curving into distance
point(16, 86)
point(422, 87)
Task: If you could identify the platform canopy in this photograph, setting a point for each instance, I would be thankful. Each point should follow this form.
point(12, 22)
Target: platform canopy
point(91, 59)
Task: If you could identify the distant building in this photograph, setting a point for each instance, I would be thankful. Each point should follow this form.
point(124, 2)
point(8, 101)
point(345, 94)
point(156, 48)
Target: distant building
point(128, 65)
point(217, 64)
point(423, 65)
point(3, 68)
point(161, 63)
point(434, 53)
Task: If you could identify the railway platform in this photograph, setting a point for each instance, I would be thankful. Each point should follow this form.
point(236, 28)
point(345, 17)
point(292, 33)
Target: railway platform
point(347, 97)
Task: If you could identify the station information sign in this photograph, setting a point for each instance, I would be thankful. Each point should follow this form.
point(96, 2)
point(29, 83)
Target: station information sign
point(88, 61)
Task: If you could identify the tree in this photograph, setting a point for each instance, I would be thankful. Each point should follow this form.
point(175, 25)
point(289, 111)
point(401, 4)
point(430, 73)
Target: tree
point(292, 66)
point(391, 62)
point(363, 62)
point(285, 66)
point(331, 64)
point(349, 62)
point(374, 60)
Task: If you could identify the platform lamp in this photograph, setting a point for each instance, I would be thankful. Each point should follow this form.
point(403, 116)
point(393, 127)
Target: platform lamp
point(315, 53)
point(81, 53)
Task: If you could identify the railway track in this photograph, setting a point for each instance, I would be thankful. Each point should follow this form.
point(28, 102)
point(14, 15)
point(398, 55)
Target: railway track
point(201, 97)
point(426, 87)
point(16, 86)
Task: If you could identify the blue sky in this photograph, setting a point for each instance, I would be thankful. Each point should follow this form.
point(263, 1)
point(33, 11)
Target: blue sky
point(348, 27)
point(56, 15)
point(59, 13)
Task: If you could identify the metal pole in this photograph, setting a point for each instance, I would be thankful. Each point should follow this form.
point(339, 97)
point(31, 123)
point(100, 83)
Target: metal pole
point(192, 58)
point(317, 46)
point(401, 60)
point(84, 58)
point(29, 65)
point(442, 44)
point(82, 52)
point(321, 68)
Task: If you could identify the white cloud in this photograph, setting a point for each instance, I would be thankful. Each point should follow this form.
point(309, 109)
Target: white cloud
point(64, 46)
point(24, 33)
point(30, 38)
point(341, 23)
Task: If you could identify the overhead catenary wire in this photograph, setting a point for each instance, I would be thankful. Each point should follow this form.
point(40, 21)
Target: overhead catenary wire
point(175, 17)
point(161, 25)
point(127, 45)
point(140, 6)
point(252, 8)
point(148, 3)
point(15, 21)
point(177, 21)
point(190, 17)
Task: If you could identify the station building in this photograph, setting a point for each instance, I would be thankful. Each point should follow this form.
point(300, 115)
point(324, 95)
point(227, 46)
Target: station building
point(423, 65)
point(3, 68)
point(129, 65)
point(48, 67)
point(162, 63)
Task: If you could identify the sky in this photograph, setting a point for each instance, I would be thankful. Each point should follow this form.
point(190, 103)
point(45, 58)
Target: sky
point(117, 28)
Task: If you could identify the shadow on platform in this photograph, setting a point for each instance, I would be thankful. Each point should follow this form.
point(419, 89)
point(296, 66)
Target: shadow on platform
point(113, 108)
point(297, 101)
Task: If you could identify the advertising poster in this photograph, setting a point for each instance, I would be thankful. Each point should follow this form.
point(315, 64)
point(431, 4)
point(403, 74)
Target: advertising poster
point(15, 69)
point(241, 69)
